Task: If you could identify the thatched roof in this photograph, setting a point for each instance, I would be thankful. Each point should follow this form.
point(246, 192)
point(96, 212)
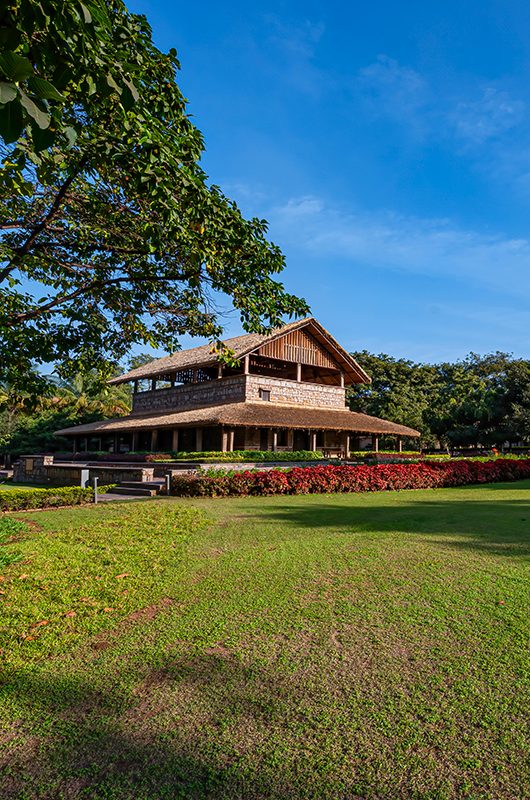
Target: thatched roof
point(250, 415)
point(204, 355)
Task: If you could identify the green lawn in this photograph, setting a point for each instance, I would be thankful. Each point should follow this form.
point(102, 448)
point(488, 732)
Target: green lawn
point(341, 646)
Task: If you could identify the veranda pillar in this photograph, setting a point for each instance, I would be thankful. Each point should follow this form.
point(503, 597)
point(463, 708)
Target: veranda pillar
point(154, 440)
point(399, 444)
point(375, 442)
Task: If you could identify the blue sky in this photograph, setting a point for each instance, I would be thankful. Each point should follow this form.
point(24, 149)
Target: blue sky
point(388, 145)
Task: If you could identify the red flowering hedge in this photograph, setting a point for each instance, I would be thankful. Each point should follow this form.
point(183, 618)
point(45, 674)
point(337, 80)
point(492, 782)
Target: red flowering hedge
point(328, 479)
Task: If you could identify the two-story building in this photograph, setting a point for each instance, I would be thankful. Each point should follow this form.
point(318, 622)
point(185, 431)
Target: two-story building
point(287, 392)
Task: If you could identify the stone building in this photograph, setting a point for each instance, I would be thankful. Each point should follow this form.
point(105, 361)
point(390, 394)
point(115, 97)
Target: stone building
point(287, 391)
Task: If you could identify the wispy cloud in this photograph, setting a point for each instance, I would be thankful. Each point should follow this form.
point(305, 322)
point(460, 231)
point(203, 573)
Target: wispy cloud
point(388, 240)
point(294, 47)
point(474, 116)
point(390, 89)
point(488, 117)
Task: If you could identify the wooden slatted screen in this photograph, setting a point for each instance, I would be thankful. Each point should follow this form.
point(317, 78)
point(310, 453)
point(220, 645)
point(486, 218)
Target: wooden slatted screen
point(299, 347)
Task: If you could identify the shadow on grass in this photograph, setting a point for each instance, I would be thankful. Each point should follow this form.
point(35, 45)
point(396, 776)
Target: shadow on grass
point(499, 527)
point(107, 744)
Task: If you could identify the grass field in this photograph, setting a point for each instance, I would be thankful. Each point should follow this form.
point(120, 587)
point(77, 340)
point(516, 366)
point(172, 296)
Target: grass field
point(343, 646)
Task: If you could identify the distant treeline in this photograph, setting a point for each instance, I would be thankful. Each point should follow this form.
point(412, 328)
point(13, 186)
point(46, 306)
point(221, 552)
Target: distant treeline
point(481, 400)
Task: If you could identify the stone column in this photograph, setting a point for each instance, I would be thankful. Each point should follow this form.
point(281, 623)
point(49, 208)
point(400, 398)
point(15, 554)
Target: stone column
point(375, 442)
point(135, 387)
point(275, 440)
point(198, 440)
point(224, 440)
point(134, 441)
point(219, 371)
point(175, 440)
point(154, 440)
point(153, 385)
point(246, 365)
point(299, 372)
point(399, 444)
point(347, 451)
point(342, 379)
point(231, 440)
point(313, 440)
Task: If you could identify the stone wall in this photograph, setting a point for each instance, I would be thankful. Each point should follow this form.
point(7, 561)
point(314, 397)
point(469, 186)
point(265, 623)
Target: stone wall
point(42, 470)
point(191, 395)
point(293, 393)
point(237, 389)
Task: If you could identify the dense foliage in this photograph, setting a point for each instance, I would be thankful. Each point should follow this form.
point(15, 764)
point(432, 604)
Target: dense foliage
point(28, 424)
point(20, 499)
point(482, 400)
point(111, 232)
point(328, 479)
point(238, 456)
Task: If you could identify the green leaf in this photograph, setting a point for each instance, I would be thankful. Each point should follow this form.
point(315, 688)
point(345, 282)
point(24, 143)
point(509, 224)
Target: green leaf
point(133, 90)
point(8, 92)
point(44, 89)
point(112, 83)
point(71, 135)
point(16, 67)
point(42, 139)
point(86, 14)
point(41, 117)
point(11, 122)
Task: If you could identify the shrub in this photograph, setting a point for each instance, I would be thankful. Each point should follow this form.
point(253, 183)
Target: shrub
point(237, 456)
point(322, 479)
point(20, 499)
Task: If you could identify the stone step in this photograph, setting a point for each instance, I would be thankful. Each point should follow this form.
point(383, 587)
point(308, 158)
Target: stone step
point(157, 485)
point(141, 491)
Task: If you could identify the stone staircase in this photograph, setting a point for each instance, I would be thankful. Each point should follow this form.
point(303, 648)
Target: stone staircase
point(141, 488)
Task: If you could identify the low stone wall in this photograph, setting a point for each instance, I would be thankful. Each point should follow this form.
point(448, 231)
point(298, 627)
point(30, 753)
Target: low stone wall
point(42, 470)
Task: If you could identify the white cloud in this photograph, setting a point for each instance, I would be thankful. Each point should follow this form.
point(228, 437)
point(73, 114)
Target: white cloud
point(388, 240)
point(478, 116)
point(488, 117)
point(392, 89)
point(294, 51)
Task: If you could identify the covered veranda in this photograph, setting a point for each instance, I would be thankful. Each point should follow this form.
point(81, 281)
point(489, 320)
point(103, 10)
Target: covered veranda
point(239, 426)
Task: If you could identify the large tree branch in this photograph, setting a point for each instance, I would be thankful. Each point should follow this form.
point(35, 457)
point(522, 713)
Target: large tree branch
point(52, 211)
point(89, 286)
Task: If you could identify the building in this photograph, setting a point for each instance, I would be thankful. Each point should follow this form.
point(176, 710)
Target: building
point(287, 392)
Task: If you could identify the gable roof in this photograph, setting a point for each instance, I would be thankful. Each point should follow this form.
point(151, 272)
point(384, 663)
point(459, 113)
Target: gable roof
point(204, 356)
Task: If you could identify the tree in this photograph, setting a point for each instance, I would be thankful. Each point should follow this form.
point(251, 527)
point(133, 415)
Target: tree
point(28, 424)
point(400, 391)
point(112, 234)
point(480, 400)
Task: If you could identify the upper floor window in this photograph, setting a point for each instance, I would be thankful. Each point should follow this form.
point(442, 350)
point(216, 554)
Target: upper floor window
point(264, 394)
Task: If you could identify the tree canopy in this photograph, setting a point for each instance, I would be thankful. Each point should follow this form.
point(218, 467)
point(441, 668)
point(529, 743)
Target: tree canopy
point(111, 232)
point(481, 400)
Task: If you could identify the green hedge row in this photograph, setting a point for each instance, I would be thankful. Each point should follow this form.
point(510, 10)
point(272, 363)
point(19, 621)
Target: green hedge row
point(16, 499)
point(237, 456)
